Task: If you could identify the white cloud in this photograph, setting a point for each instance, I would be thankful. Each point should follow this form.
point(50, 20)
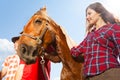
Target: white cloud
point(6, 48)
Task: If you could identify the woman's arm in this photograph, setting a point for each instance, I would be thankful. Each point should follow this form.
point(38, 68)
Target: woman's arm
point(19, 73)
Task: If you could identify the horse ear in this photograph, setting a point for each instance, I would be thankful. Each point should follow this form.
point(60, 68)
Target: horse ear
point(21, 32)
point(43, 11)
point(43, 8)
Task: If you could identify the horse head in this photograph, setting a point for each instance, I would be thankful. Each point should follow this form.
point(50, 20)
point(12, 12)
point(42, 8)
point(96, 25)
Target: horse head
point(42, 35)
point(38, 37)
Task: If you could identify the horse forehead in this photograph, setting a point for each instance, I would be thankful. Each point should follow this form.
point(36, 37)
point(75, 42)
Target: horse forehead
point(36, 16)
point(42, 13)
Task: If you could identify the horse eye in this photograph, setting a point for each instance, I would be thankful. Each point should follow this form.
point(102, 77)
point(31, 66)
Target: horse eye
point(38, 21)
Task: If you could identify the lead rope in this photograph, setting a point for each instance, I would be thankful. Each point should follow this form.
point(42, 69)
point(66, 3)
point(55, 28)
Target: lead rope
point(42, 62)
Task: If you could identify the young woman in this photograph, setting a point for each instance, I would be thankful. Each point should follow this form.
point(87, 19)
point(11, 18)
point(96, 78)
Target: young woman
point(101, 47)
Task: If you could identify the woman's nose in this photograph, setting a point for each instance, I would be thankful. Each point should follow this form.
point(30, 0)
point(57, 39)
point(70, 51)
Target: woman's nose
point(87, 17)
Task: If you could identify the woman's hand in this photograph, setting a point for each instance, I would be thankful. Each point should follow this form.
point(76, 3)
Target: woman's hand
point(19, 73)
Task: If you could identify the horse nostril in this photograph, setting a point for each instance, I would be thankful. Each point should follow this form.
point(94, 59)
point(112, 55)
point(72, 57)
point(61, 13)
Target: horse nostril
point(23, 50)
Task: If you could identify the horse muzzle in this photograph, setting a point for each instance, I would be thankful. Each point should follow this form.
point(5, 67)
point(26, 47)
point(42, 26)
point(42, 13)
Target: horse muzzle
point(27, 53)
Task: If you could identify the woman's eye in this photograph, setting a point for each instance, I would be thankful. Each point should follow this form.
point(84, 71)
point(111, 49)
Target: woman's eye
point(89, 13)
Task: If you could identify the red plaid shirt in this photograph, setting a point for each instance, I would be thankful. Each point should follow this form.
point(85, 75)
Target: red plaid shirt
point(100, 48)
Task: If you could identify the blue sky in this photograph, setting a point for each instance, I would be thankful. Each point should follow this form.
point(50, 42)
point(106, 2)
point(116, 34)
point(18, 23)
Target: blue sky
point(70, 14)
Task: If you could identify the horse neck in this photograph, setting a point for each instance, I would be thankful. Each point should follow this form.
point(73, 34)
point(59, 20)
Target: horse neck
point(65, 50)
point(66, 58)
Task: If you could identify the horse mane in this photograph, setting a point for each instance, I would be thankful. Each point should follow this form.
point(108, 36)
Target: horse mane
point(61, 31)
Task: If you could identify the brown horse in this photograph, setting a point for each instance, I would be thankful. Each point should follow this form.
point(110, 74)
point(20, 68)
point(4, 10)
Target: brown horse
point(41, 36)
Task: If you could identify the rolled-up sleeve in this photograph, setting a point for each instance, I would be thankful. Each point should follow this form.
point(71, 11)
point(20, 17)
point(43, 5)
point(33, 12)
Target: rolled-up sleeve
point(81, 48)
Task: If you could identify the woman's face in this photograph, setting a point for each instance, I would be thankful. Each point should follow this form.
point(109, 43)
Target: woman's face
point(92, 16)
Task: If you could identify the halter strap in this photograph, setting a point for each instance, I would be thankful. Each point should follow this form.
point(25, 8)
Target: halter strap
point(37, 38)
